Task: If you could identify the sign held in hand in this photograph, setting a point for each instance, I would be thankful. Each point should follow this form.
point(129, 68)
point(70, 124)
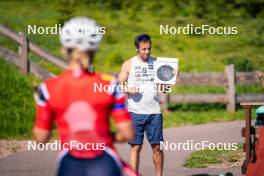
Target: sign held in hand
point(165, 70)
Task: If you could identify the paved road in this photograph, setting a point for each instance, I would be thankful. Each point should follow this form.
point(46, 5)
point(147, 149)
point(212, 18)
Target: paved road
point(33, 163)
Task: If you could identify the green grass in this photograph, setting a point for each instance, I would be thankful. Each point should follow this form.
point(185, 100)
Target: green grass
point(188, 117)
point(187, 89)
point(197, 53)
point(205, 158)
point(203, 89)
point(16, 102)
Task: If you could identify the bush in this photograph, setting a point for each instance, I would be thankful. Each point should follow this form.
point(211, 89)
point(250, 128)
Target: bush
point(241, 63)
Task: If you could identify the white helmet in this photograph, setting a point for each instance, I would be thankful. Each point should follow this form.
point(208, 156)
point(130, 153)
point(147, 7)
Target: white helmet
point(82, 33)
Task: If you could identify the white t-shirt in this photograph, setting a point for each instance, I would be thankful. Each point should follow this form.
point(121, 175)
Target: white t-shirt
point(141, 75)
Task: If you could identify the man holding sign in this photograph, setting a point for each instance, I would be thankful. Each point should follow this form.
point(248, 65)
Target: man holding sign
point(138, 75)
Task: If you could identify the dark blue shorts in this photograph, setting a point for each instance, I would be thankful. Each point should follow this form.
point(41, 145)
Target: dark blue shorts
point(102, 165)
point(152, 123)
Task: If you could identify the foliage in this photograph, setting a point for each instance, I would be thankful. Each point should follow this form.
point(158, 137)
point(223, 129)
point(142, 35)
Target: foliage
point(126, 19)
point(16, 102)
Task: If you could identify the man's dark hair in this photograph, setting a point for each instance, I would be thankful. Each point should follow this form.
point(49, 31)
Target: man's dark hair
point(142, 38)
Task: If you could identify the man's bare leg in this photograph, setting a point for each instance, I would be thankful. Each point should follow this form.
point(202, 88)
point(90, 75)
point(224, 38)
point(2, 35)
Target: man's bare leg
point(134, 156)
point(158, 159)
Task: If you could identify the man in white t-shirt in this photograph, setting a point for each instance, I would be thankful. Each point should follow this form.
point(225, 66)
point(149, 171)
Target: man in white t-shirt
point(138, 75)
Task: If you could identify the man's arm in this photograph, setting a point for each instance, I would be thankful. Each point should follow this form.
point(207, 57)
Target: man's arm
point(123, 77)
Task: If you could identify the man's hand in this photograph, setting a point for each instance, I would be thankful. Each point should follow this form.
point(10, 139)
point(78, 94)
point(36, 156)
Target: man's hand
point(125, 132)
point(133, 90)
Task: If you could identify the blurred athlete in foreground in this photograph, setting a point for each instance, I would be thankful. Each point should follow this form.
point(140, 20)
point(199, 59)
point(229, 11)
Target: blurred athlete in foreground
point(82, 114)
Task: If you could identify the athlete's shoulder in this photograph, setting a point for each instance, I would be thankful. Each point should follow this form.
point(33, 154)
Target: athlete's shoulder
point(42, 91)
point(54, 83)
point(55, 77)
point(50, 81)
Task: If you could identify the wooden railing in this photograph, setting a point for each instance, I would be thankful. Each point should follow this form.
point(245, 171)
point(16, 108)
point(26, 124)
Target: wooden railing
point(21, 59)
point(228, 79)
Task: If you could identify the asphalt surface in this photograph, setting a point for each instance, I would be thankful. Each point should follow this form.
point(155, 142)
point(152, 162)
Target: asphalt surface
point(34, 163)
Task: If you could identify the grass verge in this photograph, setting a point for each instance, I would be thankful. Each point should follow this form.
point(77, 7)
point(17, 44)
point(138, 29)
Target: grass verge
point(215, 158)
point(16, 102)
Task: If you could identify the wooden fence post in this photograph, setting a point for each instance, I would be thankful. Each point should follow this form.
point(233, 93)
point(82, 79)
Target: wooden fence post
point(23, 52)
point(230, 91)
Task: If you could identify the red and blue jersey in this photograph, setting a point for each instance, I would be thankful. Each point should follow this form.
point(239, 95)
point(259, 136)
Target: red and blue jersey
point(81, 104)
